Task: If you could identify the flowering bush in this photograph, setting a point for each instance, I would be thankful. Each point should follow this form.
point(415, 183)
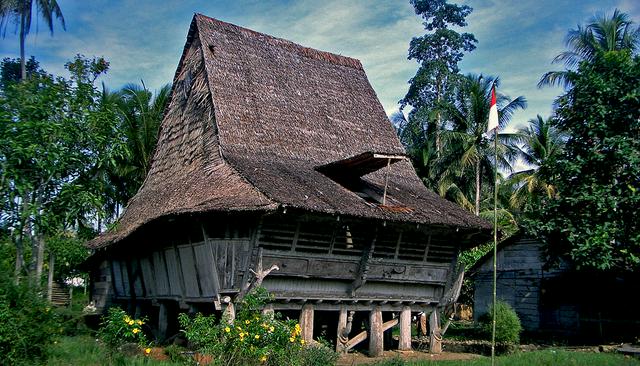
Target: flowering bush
point(253, 338)
point(118, 328)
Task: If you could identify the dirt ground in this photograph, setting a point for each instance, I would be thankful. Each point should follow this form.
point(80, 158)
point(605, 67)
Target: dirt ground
point(362, 359)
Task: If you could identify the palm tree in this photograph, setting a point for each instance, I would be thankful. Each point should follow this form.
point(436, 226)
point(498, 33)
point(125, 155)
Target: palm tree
point(602, 34)
point(20, 12)
point(468, 157)
point(140, 115)
point(540, 143)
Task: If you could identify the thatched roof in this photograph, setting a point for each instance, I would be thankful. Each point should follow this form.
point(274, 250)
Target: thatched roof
point(257, 122)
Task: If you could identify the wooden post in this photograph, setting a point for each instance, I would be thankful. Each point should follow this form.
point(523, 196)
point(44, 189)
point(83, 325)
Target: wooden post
point(229, 313)
point(341, 337)
point(306, 323)
point(376, 344)
point(422, 324)
point(163, 321)
point(404, 342)
point(435, 336)
point(268, 311)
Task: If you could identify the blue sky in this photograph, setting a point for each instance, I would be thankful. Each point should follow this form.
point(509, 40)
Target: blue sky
point(143, 39)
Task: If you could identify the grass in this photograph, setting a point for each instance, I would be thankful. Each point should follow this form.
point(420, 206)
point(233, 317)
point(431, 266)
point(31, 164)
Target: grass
point(538, 358)
point(85, 351)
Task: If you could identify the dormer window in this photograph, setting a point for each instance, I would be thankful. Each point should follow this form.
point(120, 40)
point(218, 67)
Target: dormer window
point(349, 172)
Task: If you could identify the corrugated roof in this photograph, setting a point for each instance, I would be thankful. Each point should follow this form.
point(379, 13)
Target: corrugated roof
point(251, 119)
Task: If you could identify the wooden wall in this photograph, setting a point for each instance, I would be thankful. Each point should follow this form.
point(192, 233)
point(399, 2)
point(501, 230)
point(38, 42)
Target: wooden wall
point(319, 257)
point(520, 274)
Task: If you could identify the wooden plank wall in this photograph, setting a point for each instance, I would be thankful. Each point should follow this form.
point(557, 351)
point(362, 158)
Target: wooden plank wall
point(187, 272)
point(520, 273)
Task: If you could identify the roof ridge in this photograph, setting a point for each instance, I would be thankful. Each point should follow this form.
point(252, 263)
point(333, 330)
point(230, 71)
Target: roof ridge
point(290, 45)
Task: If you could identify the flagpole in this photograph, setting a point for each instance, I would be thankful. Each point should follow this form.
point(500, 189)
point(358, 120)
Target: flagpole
point(495, 245)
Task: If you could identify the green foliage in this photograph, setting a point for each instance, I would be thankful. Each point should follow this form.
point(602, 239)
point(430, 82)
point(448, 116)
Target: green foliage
point(27, 324)
point(84, 350)
point(555, 357)
point(508, 327)
point(69, 252)
point(254, 338)
point(54, 139)
point(593, 220)
point(118, 328)
point(438, 52)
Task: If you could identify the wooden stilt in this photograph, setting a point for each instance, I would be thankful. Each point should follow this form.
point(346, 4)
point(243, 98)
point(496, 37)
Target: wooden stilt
point(435, 338)
point(229, 313)
point(306, 322)
point(422, 324)
point(163, 321)
point(268, 311)
point(341, 337)
point(376, 345)
point(404, 343)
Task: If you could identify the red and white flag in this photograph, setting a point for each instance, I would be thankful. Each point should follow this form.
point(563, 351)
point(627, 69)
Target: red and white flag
point(493, 112)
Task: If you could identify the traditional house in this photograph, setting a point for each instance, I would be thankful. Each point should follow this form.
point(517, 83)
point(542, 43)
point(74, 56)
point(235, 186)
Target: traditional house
point(277, 156)
point(556, 300)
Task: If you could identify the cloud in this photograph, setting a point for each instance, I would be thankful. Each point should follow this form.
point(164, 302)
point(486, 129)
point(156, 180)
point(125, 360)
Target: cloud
point(144, 40)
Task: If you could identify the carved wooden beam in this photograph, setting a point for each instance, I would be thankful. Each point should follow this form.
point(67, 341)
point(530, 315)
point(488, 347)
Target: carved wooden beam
point(363, 270)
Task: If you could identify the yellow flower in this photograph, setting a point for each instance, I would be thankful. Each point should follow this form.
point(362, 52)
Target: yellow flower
point(271, 329)
point(297, 327)
point(140, 322)
point(247, 321)
point(302, 341)
point(227, 329)
point(135, 330)
point(130, 322)
point(257, 336)
point(291, 339)
point(147, 350)
point(263, 358)
point(126, 319)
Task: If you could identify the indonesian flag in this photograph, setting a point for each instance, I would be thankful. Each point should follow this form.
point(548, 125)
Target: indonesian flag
point(493, 112)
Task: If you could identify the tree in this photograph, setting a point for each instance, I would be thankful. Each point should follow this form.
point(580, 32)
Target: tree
point(469, 153)
point(438, 53)
point(20, 12)
point(53, 135)
point(593, 218)
point(600, 35)
point(540, 142)
point(140, 114)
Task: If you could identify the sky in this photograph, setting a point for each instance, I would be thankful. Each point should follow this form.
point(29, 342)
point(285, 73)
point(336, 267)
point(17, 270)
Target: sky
point(143, 39)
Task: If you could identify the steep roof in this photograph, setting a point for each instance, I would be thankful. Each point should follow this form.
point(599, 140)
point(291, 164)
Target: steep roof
point(257, 122)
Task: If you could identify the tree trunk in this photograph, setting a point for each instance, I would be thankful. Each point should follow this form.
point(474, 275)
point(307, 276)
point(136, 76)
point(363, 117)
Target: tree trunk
point(477, 206)
point(23, 65)
point(39, 242)
point(19, 256)
point(52, 263)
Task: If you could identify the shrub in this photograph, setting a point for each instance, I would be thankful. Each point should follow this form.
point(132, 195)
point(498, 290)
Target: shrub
point(254, 338)
point(508, 325)
point(118, 328)
point(27, 324)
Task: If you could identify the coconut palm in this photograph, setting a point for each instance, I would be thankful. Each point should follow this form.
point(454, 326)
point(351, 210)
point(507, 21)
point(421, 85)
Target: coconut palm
point(469, 154)
point(140, 115)
point(540, 143)
point(20, 12)
point(600, 35)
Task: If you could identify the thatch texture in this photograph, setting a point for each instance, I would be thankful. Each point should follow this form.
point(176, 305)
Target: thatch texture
point(251, 119)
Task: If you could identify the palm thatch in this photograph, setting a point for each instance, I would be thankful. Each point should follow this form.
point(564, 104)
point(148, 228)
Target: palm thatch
point(253, 120)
